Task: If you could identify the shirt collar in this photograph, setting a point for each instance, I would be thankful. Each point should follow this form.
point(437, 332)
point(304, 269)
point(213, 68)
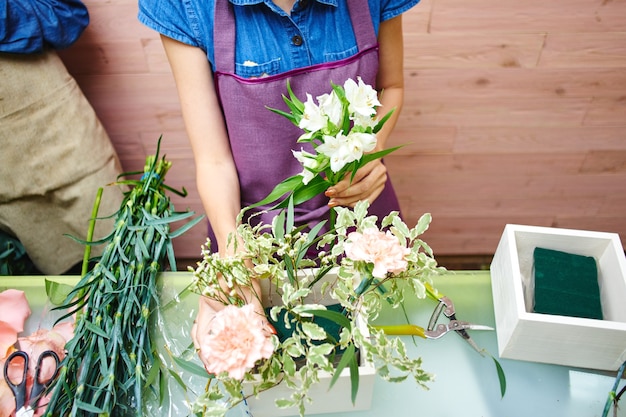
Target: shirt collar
point(252, 2)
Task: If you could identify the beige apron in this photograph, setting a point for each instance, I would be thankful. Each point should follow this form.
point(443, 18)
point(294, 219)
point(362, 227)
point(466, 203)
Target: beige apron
point(54, 155)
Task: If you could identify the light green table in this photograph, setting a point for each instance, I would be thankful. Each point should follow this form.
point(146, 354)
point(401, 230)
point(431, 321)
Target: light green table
point(466, 384)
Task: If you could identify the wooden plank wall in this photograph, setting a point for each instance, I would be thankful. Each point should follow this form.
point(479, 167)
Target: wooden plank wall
point(515, 112)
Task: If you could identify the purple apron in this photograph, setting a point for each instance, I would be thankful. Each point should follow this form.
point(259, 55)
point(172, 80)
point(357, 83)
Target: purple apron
point(261, 141)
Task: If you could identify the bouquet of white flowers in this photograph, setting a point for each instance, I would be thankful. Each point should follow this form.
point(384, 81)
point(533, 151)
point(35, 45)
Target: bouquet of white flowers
point(342, 128)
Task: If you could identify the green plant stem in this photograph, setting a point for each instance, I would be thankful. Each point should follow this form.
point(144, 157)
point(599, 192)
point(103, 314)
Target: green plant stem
point(613, 398)
point(92, 226)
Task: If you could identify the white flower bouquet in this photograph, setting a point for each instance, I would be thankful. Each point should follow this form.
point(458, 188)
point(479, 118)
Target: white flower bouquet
point(341, 128)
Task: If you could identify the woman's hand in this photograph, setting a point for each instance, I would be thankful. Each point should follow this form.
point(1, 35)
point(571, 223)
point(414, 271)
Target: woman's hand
point(367, 184)
point(208, 308)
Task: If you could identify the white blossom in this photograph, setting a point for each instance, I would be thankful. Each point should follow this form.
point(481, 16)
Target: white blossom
point(364, 121)
point(310, 164)
point(360, 143)
point(331, 106)
point(337, 149)
point(362, 98)
point(312, 119)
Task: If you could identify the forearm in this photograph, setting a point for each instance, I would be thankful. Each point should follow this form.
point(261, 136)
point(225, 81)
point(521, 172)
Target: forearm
point(391, 99)
point(390, 79)
point(218, 186)
point(216, 176)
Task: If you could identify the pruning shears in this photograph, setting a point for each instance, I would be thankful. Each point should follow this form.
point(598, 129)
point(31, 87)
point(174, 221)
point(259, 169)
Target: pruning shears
point(434, 330)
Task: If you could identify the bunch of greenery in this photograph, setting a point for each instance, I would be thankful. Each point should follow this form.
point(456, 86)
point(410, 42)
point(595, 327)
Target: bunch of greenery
point(277, 254)
point(110, 360)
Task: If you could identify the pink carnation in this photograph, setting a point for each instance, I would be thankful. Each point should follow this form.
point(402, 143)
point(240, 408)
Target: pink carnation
point(382, 249)
point(236, 341)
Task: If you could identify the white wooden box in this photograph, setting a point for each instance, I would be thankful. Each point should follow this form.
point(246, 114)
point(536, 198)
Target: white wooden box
point(325, 400)
point(562, 340)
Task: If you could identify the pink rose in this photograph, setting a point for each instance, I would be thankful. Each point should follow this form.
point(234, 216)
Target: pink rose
point(379, 248)
point(236, 340)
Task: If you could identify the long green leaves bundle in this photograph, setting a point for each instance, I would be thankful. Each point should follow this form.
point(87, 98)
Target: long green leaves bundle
point(110, 358)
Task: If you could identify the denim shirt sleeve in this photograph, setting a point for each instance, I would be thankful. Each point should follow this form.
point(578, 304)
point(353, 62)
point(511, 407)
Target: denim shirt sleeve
point(181, 21)
point(29, 26)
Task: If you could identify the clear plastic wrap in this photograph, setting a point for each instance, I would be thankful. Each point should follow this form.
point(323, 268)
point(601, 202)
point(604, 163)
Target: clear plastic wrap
point(171, 337)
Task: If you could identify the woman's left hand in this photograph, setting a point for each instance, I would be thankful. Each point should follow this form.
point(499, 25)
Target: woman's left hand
point(367, 184)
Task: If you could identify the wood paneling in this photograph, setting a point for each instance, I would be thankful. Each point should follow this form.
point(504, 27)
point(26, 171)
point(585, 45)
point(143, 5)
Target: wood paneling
point(515, 112)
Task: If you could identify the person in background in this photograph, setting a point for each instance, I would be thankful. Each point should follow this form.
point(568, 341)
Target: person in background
point(54, 153)
point(232, 58)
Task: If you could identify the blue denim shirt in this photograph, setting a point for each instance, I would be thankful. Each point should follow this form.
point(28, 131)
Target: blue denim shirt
point(29, 26)
point(322, 28)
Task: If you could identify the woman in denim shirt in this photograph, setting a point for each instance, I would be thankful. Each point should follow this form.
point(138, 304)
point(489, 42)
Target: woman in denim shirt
point(232, 58)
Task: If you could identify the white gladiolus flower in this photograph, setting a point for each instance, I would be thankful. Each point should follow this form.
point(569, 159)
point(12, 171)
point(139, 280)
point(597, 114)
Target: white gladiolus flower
point(331, 106)
point(312, 119)
point(362, 97)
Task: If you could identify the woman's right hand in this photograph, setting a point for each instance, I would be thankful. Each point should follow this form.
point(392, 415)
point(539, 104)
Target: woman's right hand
point(208, 308)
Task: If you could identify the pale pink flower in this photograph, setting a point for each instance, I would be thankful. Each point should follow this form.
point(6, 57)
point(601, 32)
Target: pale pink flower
point(14, 311)
point(379, 248)
point(236, 341)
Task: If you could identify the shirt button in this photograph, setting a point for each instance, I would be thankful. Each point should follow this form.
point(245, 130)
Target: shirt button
point(304, 3)
point(297, 40)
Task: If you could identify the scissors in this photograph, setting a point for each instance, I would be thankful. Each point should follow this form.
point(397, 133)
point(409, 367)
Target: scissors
point(24, 408)
point(434, 330)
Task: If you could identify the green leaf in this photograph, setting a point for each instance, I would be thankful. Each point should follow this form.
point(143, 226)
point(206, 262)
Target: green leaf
point(178, 379)
point(284, 403)
point(57, 292)
point(90, 408)
point(313, 331)
point(285, 114)
point(377, 155)
point(382, 121)
point(185, 227)
point(191, 367)
point(346, 357)
point(338, 318)
point(314, 188)
point(290, 216)
point(95, 329)
point(354, 378)
point(278, 225)
point(501, 376)
point(280, 190)
point(297, 103)
point(423, 223)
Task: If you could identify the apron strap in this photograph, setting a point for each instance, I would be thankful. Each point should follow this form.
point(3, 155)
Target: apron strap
point(224, 37)
point(224, 30)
